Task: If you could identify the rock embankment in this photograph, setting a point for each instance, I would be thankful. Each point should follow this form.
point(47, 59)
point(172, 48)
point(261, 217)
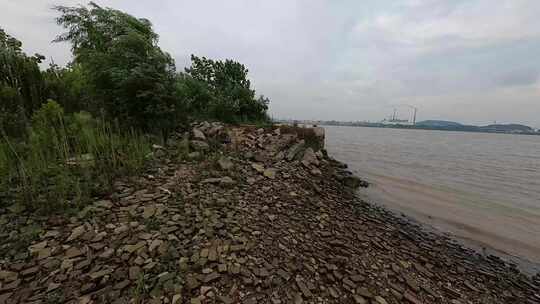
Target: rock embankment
point(245, 215)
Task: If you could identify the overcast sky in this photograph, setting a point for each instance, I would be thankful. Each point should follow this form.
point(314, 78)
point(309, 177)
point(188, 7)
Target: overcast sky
point(473, 61)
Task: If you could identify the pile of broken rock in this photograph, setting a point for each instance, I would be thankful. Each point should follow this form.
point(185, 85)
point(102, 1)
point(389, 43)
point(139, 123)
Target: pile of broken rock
point(259, 217)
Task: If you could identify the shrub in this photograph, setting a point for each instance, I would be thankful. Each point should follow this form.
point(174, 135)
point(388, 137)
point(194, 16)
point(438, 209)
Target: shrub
point(221, 90)
point(69, 87)
point(12, 113)
point(67, 159)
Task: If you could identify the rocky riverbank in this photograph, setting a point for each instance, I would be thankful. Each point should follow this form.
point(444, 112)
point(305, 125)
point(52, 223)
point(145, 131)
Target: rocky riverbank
point(243, 215)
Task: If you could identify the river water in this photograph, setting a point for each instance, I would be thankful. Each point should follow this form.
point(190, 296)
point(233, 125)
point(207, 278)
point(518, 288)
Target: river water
point(482, 188)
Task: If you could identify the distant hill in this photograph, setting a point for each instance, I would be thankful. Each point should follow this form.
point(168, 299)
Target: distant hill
point(438, 124)
point(456, 126)
point(442, 125)
point(507, 128)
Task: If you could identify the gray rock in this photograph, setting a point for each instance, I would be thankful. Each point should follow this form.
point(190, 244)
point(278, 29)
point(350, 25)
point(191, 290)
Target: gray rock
point(176, 299)
point(194, 155)
point(316, 171)
point(226, 181)
point(199, 145)
point(258, 167)
point(270, 173)
point(225, 163)
point(358, 299)
point(319, 137)
point(149, 211)
point(213, 180)
point(76, 233)
point(353, 182)
point(104, 204)
point(295, 149)
point(309, 158)
point(215, 129)
point(198, 134)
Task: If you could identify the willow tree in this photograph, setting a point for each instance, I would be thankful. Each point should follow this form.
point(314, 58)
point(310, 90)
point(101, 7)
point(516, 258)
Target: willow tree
point(130, 77)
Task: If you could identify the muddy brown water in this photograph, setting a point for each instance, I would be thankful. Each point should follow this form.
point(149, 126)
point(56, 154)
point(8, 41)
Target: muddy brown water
point(484, 189)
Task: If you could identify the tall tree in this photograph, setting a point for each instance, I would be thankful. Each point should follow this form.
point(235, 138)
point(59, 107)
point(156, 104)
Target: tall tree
point(233, 97)
point(130, 76)
point(21, 84)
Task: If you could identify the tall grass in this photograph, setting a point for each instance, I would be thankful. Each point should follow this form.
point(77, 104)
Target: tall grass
point(67, 159)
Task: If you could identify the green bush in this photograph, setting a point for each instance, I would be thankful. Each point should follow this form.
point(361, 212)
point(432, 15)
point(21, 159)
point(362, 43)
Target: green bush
point(221, 90)
point(12, 114)
point(70, 88)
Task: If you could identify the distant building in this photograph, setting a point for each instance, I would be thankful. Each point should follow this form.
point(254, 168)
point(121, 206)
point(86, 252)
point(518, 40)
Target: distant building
point(396, 121)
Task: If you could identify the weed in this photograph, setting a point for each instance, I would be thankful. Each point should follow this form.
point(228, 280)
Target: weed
point(27, 235)
point(55, 297)
point(152, 224)
point(139, 291)
point(67, 159)
point(215, 144)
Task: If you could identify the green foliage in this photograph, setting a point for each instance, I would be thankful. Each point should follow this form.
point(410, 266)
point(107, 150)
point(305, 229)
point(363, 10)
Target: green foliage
point(67, 159)
point(56, 154)
point(129, 75)
point(119, 71)
point(12, 112)
point(21, 85)
point(69, 87)
point(221, 90)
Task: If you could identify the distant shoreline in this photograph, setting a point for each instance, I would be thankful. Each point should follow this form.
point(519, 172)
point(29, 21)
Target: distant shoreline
point(407, 127)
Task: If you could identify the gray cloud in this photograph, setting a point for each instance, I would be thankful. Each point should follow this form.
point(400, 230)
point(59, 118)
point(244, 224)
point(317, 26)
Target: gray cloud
point(520, 77)
point(473, 61)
